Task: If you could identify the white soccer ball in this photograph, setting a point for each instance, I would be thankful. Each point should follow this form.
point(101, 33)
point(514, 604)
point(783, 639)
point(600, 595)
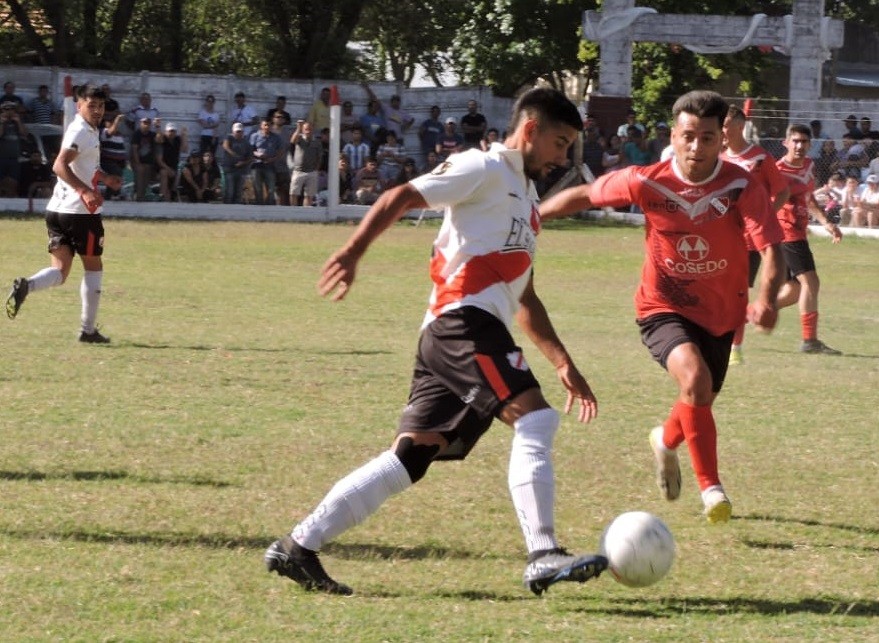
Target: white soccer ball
point(639, 548)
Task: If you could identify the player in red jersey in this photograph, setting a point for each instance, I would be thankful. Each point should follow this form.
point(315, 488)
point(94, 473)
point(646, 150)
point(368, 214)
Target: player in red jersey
point(694, 282)
point(802, 285)
point(761, 164)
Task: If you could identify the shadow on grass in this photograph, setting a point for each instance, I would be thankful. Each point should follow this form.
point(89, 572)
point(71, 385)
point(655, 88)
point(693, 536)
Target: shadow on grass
point(354, 551)
point(703, 605)
point(844, 355)
point(858, 529)
point(153, 539)
point(229, 349)
point(100, 476)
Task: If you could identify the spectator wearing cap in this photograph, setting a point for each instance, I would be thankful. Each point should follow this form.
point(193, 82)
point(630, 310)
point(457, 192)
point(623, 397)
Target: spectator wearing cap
point(631, 121)
point(172, 144)
point(660, 140)
point(430, 130)
point(449, 141)
point(237, 157)
point(279, 108)
point(209, 122)
point(144, 109)
point(243, 113)
point(396, 120)
point(866, 210)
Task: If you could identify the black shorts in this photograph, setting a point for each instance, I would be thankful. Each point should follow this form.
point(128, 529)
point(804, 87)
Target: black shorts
point(661, 333)
point(798, 257)
point(83, 233)
point(467, 367)
point(754, 259)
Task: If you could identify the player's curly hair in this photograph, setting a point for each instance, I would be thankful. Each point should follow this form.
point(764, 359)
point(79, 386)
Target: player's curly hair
point(549, 106)
point(702, 104)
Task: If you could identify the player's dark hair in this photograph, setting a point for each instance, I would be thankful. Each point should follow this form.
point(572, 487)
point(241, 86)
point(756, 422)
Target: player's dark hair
point(548, 106)
point(799, 128)
point(701, 104)
point(736, 114)
point(84, 92)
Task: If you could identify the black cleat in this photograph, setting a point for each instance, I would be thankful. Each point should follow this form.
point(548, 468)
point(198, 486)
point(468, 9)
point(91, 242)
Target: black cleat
point(93, 337)
point(550, 566)
point(16, 297)
point(814, 346)
point(290, 559)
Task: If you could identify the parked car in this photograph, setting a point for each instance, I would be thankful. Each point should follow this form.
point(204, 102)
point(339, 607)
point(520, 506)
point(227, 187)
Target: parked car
point(44, 138)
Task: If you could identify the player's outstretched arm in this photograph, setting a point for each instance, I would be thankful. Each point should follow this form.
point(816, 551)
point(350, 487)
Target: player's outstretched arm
point(566, 202)
point(534, 320)
point(339, 270)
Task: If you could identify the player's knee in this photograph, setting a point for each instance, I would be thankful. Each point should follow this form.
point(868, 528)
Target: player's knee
point(415, 458)
point(537, 429)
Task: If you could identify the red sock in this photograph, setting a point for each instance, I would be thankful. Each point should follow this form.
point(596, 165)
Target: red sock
point(739, 336)
point(672, 433)
point(809, 322)
point(697, 423)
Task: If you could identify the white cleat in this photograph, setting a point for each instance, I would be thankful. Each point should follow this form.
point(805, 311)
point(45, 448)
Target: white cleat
point(668, 467)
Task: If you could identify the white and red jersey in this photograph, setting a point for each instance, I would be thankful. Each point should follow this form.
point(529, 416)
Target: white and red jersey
point(761, 164)
point(794, 215)
point(84, 139)
point(483, 253)
point(696, 262)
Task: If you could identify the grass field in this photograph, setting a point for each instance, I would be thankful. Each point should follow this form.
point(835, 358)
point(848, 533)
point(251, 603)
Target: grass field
point(141, 482)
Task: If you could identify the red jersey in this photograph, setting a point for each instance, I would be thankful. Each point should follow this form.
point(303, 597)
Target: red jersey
point(696, 262)
point(794, 215)
point(761, 164)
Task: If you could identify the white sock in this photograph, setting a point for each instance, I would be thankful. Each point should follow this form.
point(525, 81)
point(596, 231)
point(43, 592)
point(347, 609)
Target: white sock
point(531, 478)
point(45, 278)
point(90, 292)
point(352, 499)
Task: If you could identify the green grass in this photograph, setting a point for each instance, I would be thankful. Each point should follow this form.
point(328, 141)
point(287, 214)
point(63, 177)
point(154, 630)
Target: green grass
point(141, 482)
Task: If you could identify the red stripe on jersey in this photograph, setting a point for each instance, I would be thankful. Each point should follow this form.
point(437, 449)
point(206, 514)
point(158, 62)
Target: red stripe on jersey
point(493, 376)
point(477, 274)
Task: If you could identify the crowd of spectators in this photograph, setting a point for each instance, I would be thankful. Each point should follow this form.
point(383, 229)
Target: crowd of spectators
point(242, 156)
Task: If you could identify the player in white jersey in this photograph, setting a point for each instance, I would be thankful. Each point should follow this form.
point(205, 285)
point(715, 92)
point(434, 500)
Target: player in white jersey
point(468, 369)
point(73, 215)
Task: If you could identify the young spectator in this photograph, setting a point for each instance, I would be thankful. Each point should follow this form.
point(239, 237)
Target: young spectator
point(390, 157)
point(144, 109)
point(866, 210)
point(367, 183)
point(347, 122)
point(396, 120)
point(193, 180)
point(243, 113)
point(114, 155)
point(449, 141)
point(282, 167)
point(142, 157)
point(209, 121)
point(847, 200)
point(635, 150)
point(407, 172)
point(266, 149)
point(41, 109)
point(430, 130)
point(345, 184)
point(279, 108)
point(431, 160)
point(491, 136)
point(36, 178)
point(631, 120)
point(213, 177)
point(237, 157)
point(12, 134)
point(319, 114)
point(473, 125)
point(171, 146)
point(357, 150)
point(306, 151)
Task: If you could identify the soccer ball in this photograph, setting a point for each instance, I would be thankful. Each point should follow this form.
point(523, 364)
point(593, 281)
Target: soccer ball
point(639, 548)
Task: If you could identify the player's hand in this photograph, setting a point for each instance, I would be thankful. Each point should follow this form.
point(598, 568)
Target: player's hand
point(762, 316)
point(337, 274)
point(835, 232)
point(91, 199)
point(578, 390)
point(112, 181)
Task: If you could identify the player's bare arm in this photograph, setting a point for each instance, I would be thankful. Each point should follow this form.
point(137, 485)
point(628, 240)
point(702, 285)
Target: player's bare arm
point(818, 214)
point(534, 320)
point(340, 269)
point(780, 199)
point(762, 311)
point(566, 202)
point(63, 171)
